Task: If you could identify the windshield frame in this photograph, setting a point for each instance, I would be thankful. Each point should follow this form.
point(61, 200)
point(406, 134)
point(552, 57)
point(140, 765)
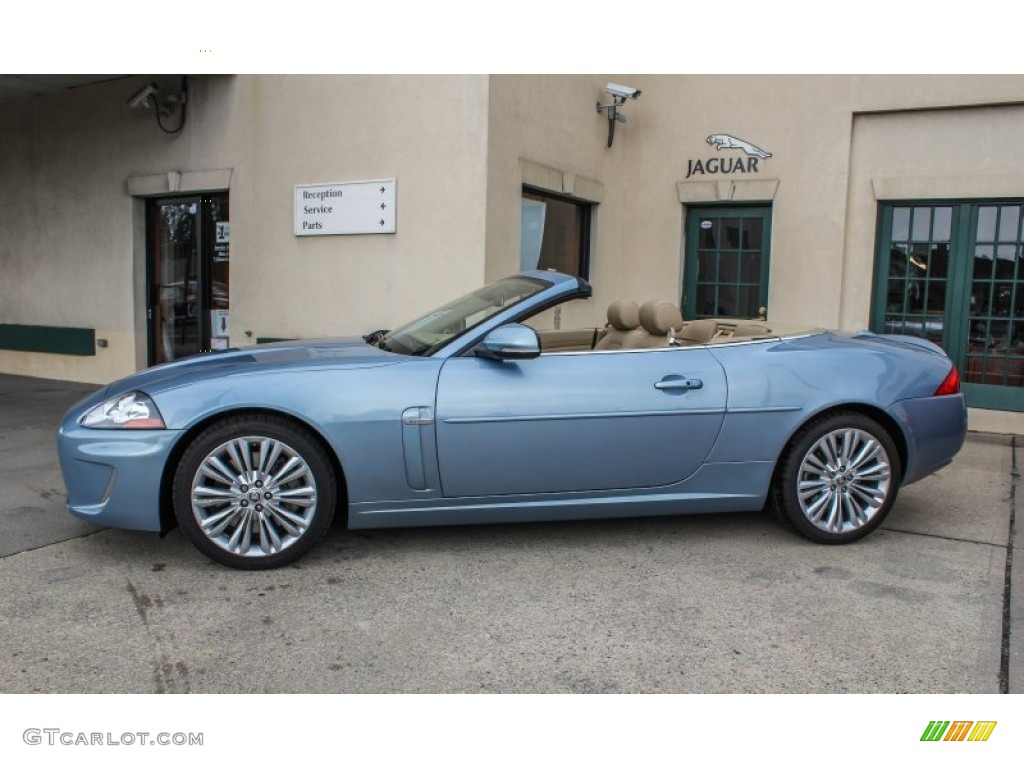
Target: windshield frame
point(458, 312)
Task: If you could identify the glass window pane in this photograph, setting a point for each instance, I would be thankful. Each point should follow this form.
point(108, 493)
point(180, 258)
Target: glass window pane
point(987, 223)
point(705, 299)
point(752, 233)
point(898, 261)
point(731, 254)
point(746, 301)
point(706, 237)
point(728, 267)
point(942, 225)
point(731, 233)
point(919, 259)
point(979, 299)
point(1009, 223)
point(922, 224)
point(726, 301)
point(901, 224)
point(983, 262)
point(707, 271)
point(936, 296)
point(1002, 295)
point(1006, 258)
point(750, 267)
point(563, 244)
point(219, 230)
point(896, 297)
point(939, 261)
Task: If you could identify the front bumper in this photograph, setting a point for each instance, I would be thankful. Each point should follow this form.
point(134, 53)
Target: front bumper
point(113, 476)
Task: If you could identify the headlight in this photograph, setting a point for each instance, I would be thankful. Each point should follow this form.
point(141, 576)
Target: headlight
point(133, 410)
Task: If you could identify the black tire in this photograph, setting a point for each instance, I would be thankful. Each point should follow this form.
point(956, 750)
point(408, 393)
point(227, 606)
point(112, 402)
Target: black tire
point(265, 517)
point(848, 468)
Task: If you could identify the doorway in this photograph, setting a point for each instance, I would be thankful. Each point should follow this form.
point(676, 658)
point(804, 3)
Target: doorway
point(188, 245)
point(953, 272)
point(726, 262)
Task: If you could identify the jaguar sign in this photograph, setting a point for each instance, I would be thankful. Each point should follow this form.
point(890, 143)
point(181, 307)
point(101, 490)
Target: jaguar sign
point(748, 162)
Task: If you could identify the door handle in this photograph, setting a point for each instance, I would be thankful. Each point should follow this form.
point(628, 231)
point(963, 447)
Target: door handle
point(678, 382)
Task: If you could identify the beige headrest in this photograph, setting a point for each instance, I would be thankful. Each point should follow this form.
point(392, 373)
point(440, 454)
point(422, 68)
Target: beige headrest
point(624, 315)
point(699, 331)
point(658, 318)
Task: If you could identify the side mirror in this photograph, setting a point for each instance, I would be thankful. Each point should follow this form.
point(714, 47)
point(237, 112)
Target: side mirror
point(510, 342)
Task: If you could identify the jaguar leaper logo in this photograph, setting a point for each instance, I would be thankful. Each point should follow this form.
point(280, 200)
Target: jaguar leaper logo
point(753, 154)
point(958, 730)
point(722, 141)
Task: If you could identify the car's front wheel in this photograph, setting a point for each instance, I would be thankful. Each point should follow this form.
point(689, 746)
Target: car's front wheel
point(254, 491)
point(838, 478)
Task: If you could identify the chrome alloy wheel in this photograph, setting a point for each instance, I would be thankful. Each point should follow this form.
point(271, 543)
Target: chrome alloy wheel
point(844, 480)
point(254, 496)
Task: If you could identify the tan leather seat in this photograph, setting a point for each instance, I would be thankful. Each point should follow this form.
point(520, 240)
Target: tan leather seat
point(623, 325)
point(658, 319)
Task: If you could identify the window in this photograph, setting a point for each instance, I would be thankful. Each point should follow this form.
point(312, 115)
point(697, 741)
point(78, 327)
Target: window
point(726, 262)
point(188, 272)
point(953, 272)
point(918, 275)
point(555, 233)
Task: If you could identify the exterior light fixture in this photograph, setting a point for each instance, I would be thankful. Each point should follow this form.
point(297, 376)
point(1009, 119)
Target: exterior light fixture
point(620, 94)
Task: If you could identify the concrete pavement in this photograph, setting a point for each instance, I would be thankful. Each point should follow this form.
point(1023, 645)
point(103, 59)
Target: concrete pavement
point(725, 603)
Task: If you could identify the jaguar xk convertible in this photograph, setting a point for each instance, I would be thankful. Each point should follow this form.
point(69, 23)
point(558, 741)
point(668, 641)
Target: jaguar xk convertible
point(479, 412)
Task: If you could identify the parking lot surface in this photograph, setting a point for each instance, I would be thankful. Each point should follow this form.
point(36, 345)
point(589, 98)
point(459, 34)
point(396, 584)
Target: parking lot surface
point(930, 603)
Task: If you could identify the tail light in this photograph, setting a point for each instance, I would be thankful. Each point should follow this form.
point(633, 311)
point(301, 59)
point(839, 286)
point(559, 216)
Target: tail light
point(950, 385)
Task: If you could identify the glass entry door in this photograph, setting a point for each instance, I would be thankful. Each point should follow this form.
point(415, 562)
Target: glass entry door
point(189, 240)
point(953, 272)
point(727, 260)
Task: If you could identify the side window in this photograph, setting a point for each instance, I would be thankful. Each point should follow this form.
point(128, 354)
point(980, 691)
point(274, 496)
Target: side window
point(555, 233)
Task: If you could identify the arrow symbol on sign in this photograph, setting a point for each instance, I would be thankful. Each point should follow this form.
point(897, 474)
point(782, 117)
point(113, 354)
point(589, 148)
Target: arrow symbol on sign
point(382, 222)
point(382, 190)
point(383, 206)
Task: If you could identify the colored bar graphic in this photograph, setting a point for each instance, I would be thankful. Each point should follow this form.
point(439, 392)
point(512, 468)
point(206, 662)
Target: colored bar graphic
point(959, 730)
point(982, 730)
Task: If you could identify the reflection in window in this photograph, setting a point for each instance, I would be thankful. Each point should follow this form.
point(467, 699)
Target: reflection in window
point(918, 271)
point(555, 233)
point(995, 334)
point(730, 261)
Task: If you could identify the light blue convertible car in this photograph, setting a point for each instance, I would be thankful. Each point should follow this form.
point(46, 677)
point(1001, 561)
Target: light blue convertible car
point(470, 415)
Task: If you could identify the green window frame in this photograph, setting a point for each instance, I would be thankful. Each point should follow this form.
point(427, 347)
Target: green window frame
point(727, 261)
point(953, 272)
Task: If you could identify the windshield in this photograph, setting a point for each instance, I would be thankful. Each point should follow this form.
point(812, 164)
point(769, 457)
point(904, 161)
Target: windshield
point(432, 331)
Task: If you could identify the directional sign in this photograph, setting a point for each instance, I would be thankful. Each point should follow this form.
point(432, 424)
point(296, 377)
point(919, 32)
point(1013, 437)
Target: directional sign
point(345, 208)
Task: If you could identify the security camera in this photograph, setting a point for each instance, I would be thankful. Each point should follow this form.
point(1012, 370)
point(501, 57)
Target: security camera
point(622, 91)
point(145, 97)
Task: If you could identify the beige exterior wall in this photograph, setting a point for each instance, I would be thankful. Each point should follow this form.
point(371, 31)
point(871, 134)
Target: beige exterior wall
point(818, 179)
point(461, 149)
point(68, 227)
point(428, 133)
point(76, 168)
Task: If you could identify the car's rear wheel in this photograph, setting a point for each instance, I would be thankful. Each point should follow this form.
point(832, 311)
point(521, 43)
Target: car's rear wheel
point(254, 491)
point(838, 479)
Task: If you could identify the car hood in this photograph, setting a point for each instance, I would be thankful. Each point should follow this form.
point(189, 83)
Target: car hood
point(309, 353)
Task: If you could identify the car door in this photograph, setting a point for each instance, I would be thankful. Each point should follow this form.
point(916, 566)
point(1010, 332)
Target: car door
point(576, 421)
